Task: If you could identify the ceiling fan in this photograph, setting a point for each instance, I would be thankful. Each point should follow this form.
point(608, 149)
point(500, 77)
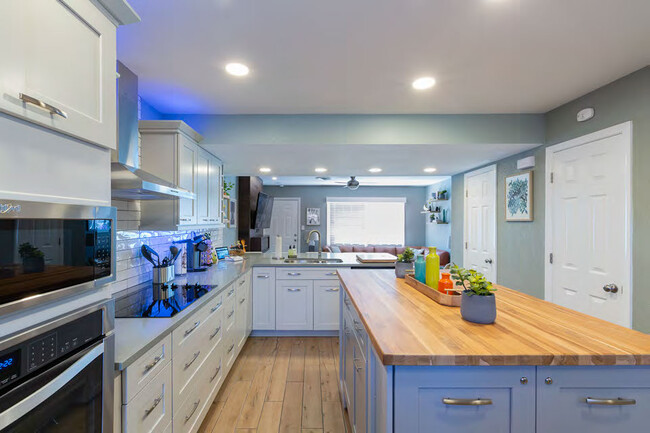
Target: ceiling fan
point(352, 184)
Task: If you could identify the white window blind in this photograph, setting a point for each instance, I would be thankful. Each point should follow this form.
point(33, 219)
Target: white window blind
point(365, 221)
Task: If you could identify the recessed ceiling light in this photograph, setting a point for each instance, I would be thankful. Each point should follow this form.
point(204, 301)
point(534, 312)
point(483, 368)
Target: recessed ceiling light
point(424, 83)
point(274, 178)
point(237, 69)
point(374, 170)
point(429, 170)
point(265, 170)
point(320, 170)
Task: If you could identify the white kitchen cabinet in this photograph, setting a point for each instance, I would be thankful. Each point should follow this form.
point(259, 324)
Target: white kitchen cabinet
point(264, 298)
point(242, 307)
point(151, 409)
point(170, 150)
point(60, 56)
point(294, 302)
point(326, 305)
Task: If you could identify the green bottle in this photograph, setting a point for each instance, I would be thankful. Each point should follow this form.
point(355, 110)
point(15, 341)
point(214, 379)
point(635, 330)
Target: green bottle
point(432, 269)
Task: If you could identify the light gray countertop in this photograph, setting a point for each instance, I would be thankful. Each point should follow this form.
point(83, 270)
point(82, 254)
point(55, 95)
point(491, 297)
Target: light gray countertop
point(134, 336)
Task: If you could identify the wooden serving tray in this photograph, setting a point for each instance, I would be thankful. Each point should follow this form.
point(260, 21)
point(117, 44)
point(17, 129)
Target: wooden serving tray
point(439, 297)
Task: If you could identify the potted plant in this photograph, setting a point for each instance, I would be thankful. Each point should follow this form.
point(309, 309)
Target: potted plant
point(33, 258)
point(478, 302)
point(404, 262)
point(227, 187)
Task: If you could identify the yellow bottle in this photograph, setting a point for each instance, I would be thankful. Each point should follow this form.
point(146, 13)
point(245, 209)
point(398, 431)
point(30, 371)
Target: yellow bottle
point(432, 269)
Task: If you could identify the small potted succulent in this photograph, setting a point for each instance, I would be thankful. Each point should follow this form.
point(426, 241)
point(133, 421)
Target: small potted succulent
point(478, 302)
point(404, 262)
point(33, 258)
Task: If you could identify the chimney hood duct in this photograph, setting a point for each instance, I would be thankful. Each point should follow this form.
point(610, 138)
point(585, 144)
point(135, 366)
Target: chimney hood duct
point(128, 181)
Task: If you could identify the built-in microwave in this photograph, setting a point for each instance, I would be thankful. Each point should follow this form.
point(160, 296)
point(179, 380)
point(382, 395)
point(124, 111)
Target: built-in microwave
point(50, 251)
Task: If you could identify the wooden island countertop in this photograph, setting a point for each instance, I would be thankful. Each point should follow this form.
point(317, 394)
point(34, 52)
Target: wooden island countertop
point(407, 328)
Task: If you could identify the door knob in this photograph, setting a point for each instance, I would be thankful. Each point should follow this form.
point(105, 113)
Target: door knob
point(610, 288)
point(488, 261)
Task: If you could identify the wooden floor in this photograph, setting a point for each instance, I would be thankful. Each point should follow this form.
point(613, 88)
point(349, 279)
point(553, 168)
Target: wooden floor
point(286, 384)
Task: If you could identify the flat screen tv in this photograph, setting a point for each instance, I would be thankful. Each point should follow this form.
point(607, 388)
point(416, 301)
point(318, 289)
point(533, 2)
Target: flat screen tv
point(263, 212)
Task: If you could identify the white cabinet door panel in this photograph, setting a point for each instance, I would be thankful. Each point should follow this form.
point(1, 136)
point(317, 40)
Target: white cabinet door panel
point(203, 183)
point(326, 305)
point(294, 305)
point(187, 179)
point(264, 298)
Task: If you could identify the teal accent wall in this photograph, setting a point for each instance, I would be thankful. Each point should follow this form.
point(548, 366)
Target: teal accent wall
point(438, 235)
point(315, 196)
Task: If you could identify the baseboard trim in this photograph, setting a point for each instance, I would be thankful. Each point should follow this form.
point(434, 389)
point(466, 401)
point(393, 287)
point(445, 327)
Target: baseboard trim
point(274, 333)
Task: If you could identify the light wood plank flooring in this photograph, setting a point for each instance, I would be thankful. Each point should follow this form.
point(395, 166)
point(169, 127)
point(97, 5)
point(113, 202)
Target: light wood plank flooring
point(285, 384)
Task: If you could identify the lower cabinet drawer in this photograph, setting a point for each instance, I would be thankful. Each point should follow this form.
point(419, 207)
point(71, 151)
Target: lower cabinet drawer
point(151, 409)
point(306, 274)
point(593, 399)
point(229, 351)
point(142, 371)
point(465, 399)
point(187, 415)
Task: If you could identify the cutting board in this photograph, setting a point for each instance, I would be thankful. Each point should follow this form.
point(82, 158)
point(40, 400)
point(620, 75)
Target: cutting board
point(376, 258)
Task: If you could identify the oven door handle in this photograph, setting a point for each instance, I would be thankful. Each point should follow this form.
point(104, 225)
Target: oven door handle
point(24, 406)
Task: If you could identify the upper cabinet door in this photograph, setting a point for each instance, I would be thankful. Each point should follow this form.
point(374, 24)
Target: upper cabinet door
point(215, 192)
point(60, 56)
point(203, 186)
point(187, 179)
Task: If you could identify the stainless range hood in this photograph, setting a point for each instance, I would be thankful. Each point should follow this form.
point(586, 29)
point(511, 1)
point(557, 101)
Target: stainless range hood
point(128, 181)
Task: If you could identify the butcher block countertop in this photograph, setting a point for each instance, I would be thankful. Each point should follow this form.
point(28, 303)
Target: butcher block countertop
point(407, 328)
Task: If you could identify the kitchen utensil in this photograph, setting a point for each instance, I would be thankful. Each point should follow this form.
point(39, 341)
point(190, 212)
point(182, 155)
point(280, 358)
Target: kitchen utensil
point(152, 252)
point(175, 252)
point(146, 254)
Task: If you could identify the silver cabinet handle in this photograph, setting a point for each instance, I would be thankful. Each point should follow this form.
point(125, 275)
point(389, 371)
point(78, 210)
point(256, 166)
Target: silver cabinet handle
point(610, 401)
point(155, 403)
point(196, 405)
point(232, 346)
point(294, 274)
point(294, 290)
point(467, 401)
point(488, 261)
point(610, 288)
point(196, 355)
point(216, 373)
point(45, 106)
point(331, 273)
point(153, 363)
point(354, 362)
point(241, 283)
point(189, 331)
point(230, 314)
point(264, 276)
point(241, 301)
point(231, 292)
point(216, 307)
point(333, 289)
point(216, 331)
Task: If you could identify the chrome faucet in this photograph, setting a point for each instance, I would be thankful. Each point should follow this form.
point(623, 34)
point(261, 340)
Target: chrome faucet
point(320, 252)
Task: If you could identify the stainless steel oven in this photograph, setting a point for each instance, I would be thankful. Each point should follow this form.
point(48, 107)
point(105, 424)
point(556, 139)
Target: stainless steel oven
point(48, 251)
point(58, 376)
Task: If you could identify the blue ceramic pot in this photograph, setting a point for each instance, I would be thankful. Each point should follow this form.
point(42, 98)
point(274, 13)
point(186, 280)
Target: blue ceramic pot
point(478, 309)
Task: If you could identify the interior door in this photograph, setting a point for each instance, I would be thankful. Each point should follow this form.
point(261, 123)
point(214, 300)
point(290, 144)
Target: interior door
point(285, 221)
point(589, 212)
point(480, 222)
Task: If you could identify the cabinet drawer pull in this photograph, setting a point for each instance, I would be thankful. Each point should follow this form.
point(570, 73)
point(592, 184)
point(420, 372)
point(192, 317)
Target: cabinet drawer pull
point(333, 289)
point(241, 301)
point(189, 331)
point(196, 405)
point(266, 277)
point(45, 106)
point(231, 292)
point(467, 401)
point(196, 355)
point(153, 363)
point(354, 362)
point(216, 331)
point(230, 314)
point(216, 307)
point(294, 274)
point(155, 403)
point(216, 373)
point(332, 274)
point(232, 346)
point(241, 283)
point(610, 401)
point(294, 290)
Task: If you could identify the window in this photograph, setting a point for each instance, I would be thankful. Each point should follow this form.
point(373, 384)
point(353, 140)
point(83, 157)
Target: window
point(365, 221)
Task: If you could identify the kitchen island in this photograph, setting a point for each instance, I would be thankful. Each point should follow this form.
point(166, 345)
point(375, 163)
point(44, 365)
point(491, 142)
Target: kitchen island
point(411, 365)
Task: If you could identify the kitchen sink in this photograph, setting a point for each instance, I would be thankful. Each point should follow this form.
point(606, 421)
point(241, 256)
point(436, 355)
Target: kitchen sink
point(313, 261)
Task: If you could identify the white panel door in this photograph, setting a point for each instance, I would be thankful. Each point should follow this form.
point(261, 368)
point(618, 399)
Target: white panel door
point(285, 221)
point(589, 225)
point(480, 222)
point(294, 305)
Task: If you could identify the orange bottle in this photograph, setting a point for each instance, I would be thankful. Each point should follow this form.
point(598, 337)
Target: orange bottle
point(446, 285)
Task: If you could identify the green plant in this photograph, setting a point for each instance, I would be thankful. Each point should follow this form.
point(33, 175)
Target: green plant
point(227, 187)
point(407, 256)
point(472, 282)
point(27, 250)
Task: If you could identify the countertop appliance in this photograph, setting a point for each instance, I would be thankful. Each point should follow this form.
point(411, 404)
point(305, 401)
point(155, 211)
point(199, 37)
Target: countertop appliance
point(195, 246)
point(48, 251)
point(147, 304)
point(59, 376)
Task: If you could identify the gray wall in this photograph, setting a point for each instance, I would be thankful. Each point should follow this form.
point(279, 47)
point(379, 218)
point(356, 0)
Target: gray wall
point(230, 234)
point(438, 235)
point(520, 245)
point(315, 196)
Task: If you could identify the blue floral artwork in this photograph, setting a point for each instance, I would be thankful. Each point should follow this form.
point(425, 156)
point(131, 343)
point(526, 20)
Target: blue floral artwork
point(519, 200)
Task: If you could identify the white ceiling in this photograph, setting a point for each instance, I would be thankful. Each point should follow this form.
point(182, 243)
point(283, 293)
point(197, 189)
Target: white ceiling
point(363, 180)
point(342, 56)
point(353, 160)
